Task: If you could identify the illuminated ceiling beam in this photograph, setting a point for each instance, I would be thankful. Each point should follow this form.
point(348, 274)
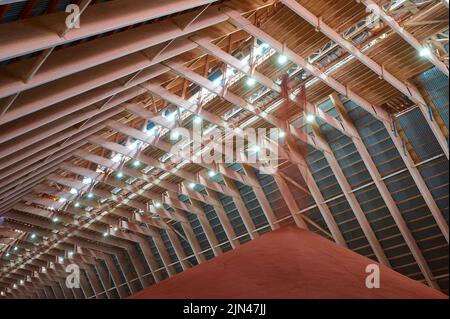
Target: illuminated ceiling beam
point(136, 205)
point(173, 190)
point(119, 183)
point(136, 109)
point(229, 96)
point(102, 251)
point(377, 111)
point(178, 101)
point(408, 90)
point(168, 148)
point(174, 202)
point(408, 37)
point(220, 168)
point(210, 48)
point(147, 160)
point(174, 99)
point(51, 276)
point(201, 178)
point(122, 243)
point(136, 173)
point(97, 19)
point(324, 147)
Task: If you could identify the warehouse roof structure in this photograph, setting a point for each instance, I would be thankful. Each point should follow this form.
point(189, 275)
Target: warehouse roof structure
point(96, 98)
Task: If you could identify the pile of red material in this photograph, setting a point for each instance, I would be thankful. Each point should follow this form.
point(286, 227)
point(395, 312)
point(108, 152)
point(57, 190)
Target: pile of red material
point(287, 264)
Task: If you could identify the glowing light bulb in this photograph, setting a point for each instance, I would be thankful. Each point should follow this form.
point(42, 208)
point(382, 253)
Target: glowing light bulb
point(119, 175)
point(212, 173)
point(105, 234)
point(62, 200)
point(310, 118)
point(73, 191)
point(33, 236)
point(90, 195)
point(136, 163)
point(251, 82)
point(282, 59)
point(157, 205)
point(133, 145)
point(256, 149)
point(282, 134)
point(77, 205)
point(174, 135)
point(55, 219)
point(198, 120)
point(192, 185)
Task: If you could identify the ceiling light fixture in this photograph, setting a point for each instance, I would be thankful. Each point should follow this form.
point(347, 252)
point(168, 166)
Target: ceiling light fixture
point(212, 173)
point(174, 135)
point(198, 120)
point(251, 82)
point(310, 118)
point(425, 52)
point(282, 59)
point(256, 149)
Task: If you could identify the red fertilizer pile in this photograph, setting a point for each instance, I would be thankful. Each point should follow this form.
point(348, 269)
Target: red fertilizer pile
point(286, 264)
